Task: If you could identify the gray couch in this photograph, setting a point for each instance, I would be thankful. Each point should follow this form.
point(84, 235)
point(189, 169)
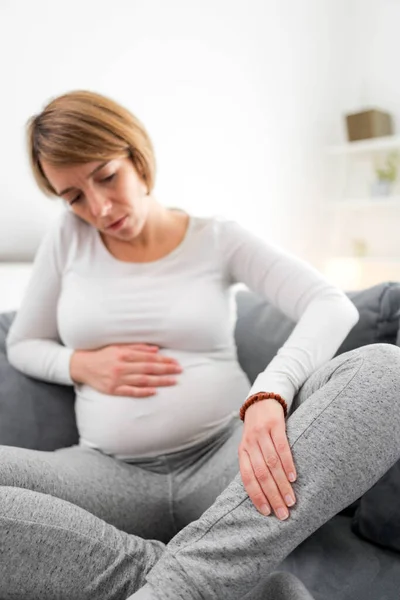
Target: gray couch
point(356, 555)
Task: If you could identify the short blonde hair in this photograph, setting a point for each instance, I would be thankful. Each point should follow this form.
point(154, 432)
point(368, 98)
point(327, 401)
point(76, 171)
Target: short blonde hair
point(81, 127)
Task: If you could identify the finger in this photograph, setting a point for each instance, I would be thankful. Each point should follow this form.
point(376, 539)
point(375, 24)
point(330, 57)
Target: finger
point(137, 356)
point(144, 347)
point(271, 459)
point(134, 392)
point(149, 380)
point(251, 484)
point(267, 473)
point(281, 443)
point(155, 368)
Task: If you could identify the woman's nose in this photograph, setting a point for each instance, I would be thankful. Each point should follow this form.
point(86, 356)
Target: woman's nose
point(99, 205)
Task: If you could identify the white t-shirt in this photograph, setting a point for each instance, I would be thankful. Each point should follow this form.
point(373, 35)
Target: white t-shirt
point(81, 297)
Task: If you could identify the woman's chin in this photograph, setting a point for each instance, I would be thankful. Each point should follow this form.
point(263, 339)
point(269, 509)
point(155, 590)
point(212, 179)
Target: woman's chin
point(127, 231)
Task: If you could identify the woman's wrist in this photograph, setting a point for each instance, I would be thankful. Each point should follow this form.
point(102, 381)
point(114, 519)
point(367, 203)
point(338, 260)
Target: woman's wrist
point(262, 396)
point(76, 366)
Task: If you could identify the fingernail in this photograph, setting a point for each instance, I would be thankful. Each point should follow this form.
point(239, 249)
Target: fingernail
point(292, 477)
point(289, 500)
point(282, 513)
point(265, 510)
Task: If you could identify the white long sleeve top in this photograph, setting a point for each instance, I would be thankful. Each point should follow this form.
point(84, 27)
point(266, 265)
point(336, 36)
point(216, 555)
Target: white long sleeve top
point(81, 297)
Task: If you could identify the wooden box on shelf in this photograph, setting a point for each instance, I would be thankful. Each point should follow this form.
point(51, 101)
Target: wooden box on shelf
point(368, 124)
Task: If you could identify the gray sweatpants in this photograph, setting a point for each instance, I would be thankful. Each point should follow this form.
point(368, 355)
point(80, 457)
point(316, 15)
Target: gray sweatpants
point(76, 524)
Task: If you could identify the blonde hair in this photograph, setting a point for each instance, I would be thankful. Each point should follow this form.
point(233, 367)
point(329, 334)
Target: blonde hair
point(82, 126)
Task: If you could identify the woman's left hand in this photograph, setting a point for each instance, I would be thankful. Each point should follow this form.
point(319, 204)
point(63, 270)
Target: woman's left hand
point(265, 459)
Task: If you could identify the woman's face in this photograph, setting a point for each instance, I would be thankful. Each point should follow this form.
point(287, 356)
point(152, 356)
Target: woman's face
point(108, 195)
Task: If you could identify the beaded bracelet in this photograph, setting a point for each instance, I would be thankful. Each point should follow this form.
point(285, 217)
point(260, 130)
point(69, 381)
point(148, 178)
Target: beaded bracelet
point(262, 396)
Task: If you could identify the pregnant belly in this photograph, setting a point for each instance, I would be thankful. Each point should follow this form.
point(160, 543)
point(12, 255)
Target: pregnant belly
point(208, 395)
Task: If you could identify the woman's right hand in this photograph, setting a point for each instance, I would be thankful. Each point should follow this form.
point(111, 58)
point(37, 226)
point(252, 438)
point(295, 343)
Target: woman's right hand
point(124, 369)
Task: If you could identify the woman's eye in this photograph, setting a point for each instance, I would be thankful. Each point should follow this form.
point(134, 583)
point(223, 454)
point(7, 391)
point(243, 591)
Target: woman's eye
point(109, 177)
point(75, 200)
point(105, 179)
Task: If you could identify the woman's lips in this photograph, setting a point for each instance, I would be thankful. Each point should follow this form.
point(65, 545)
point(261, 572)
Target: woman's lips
point(117, 224)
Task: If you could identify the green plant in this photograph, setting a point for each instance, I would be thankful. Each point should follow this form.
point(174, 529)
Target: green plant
point(388, 172)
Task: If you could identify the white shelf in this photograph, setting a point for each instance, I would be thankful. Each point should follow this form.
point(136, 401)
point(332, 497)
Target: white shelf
point(360, 203)
point(367, 259)
point(386, 260)
point(389, 142)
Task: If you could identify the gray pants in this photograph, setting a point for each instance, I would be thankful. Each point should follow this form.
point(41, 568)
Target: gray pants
point(76, 524)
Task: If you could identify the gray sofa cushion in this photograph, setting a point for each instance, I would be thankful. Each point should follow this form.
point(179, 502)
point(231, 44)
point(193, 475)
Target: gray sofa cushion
point(377, 519)
point(335, 564)
point(33, 414)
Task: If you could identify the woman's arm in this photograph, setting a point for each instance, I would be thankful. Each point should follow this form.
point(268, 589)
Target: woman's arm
point(324, 317)
point(323, 313)
point(33, 343)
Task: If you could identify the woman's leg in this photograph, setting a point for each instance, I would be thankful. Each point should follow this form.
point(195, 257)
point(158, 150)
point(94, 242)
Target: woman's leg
point(278, 586)
point(133, 499)
point(51, 549)
point(200, 474)
point(344, 435)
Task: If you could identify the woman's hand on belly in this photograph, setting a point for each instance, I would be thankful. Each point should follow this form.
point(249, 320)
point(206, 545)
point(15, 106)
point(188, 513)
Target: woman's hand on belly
point(134, 370)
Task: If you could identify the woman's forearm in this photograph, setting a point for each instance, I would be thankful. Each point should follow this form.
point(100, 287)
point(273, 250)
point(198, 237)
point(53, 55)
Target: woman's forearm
point(43, 359)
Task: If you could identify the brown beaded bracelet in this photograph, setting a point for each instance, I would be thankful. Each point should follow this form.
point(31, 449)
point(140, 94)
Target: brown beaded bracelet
point(262, 396)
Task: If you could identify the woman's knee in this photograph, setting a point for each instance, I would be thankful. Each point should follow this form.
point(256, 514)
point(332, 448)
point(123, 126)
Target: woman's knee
point(7, 467)
point(17, 467)
point(379, 352)
point(379, 359)
point(379, 377)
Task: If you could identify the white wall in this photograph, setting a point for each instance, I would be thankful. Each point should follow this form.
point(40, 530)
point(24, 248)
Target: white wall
point(369, 45)
point(371, 80)
point(239, 97)
point(377, 58)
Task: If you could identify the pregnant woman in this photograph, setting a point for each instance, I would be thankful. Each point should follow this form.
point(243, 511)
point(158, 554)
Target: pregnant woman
point(186, 484)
